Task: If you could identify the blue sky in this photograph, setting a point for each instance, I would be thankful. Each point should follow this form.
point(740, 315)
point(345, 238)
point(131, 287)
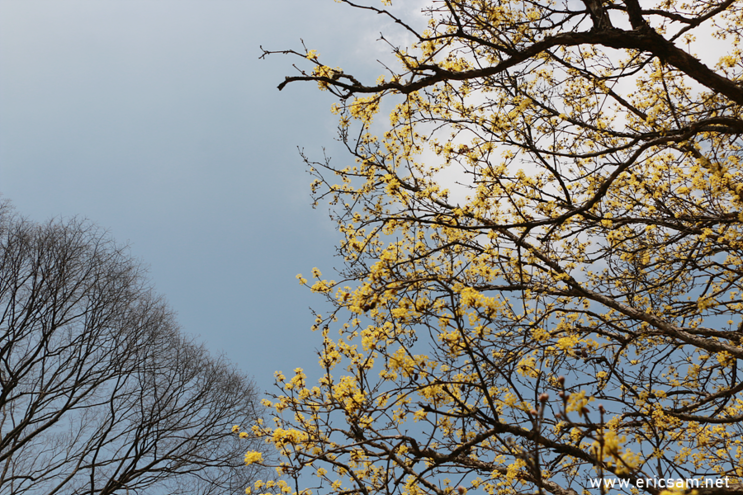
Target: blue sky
point(156, 120)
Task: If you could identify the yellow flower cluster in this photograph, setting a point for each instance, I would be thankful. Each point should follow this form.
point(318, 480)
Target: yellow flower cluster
point(253, 457)
point(578, 401)
point(326, 72)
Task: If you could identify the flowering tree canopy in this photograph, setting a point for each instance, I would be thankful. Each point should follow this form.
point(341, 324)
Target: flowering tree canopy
point(543, 248)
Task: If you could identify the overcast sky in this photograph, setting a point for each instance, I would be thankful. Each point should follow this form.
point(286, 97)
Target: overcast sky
point(156, 120)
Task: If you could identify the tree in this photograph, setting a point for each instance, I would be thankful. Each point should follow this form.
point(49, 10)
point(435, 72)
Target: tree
point(543, 257)
point(101, 394)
